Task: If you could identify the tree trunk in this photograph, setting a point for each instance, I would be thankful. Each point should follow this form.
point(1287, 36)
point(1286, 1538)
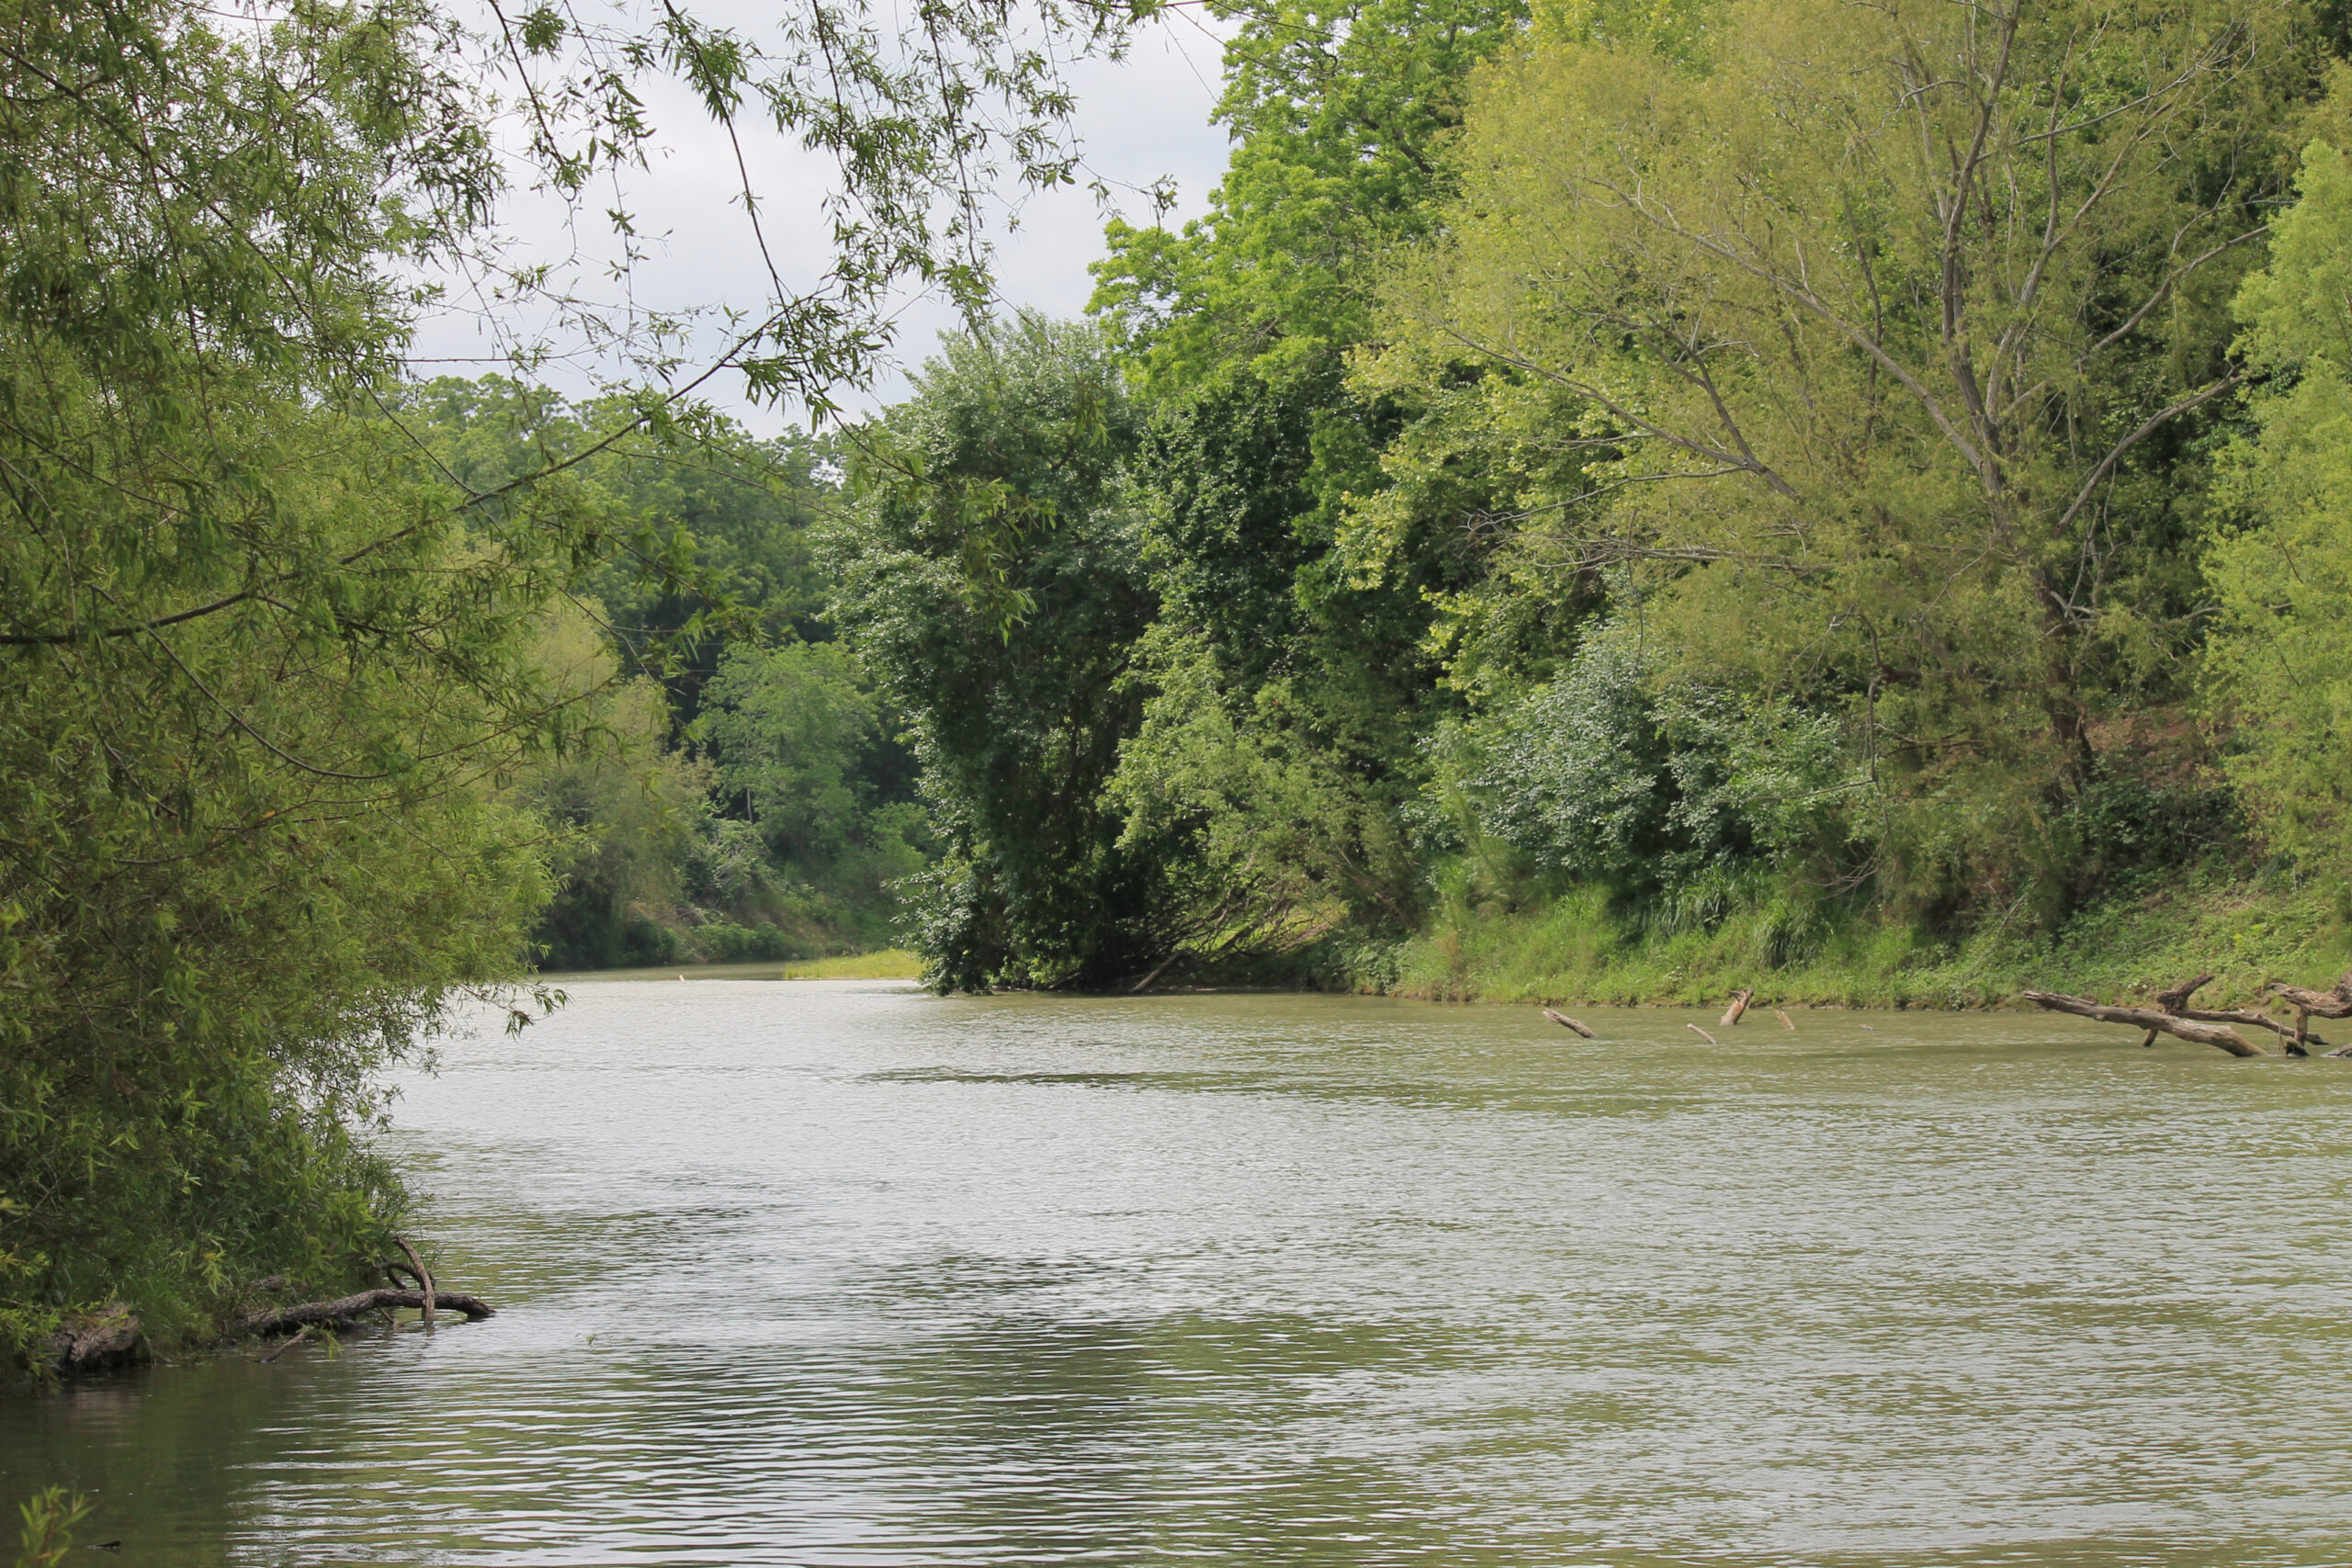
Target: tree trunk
point(2146, 1018)
point(345, 1310)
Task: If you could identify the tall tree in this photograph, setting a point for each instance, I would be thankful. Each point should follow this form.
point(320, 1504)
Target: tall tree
point(259, 671)
point(1237, 332)
point(268, 659)
point(990, 581)
point(1874, 351)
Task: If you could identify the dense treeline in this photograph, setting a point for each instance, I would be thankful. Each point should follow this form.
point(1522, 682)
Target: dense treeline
point(1759, 486)
point(1610, 497)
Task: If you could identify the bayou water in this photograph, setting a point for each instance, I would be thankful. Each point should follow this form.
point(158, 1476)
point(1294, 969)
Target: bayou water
point(841, 1274)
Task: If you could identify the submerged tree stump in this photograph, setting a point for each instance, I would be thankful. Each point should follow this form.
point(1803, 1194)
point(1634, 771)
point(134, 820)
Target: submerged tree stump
point(1739, 1000)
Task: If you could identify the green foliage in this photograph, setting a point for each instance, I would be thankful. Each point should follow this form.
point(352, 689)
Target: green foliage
point(1271, 772)
point(2136, 938)
point(656, 862)
point(714, 524)
point(805, 749)
point(990, 583)
point(50, 1516)
point(788, 727)
point(260, 672)
point(626, 816)
point(2279, 661)
point(1862, 429)
point(1263, 844)
point(724, 942)
point(1661, 794)
point(1337, 109)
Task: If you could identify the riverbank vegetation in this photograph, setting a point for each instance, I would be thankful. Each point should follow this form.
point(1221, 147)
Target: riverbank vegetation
point(1627, 501)
point(1614, 501)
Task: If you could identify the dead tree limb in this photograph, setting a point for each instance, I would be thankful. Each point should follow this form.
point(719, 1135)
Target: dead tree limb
point(1784, 1017)
point(345, 1311)
point(2175, 1002)
point(291, 1340)
point(425, 1280)
point(2297, 1034)
point(1565, 1021)
point(2173, 1024)
point(2177, 999)
point(2336, 1003)
point(1739, 1000)
point(1702, 1034)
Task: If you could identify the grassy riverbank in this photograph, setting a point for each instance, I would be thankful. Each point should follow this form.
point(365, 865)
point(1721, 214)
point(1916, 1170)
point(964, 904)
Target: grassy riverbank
point(888, 963)
point(1575, 950)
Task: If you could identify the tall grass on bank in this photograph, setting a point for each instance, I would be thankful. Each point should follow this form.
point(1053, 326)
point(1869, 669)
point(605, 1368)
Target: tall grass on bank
point(1577, 948)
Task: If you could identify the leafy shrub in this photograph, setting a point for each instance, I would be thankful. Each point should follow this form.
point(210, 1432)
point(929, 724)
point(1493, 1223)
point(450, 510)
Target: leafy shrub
point(1680, 795)
point(723, 942)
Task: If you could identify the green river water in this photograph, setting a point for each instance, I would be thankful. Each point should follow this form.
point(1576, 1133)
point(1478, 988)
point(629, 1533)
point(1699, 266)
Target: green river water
point(841, 1274)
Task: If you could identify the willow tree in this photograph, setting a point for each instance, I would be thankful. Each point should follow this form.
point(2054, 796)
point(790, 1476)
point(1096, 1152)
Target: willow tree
point(265, 664)
point(1871, 347)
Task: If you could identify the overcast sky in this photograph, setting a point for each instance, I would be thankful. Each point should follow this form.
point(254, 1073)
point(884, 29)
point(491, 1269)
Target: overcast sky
point(1140, 119)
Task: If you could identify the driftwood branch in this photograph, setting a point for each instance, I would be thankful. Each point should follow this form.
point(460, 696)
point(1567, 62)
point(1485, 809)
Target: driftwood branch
point(423, 1279)
point(1785, 1023)
point(2177, 999)
point(2180, 1028)
point(344, 1311)
point(1739, 1000)
point(291, 1340)
point(2297, 1034)
point(1157, 971)
point(1565, 1021)
point(2336, 1003)
point(1702, 1034)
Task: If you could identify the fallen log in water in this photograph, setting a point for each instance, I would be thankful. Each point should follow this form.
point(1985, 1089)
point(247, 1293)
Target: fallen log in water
point(2297, 1034)
point(2336, 1003)
point(1565, 1021)
point(344, 1311)
point(1702, 1034)
point(1739, 1000)
point(2176, 1001)
point(1785, 1023)
point(2149, 1019)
